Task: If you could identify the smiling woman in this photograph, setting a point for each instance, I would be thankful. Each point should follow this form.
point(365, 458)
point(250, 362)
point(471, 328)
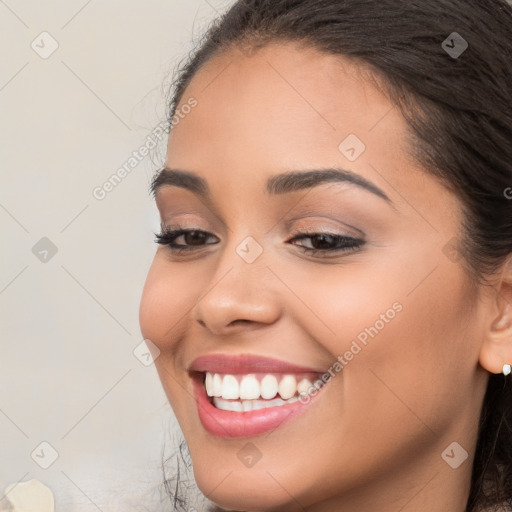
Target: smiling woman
point(332, 292)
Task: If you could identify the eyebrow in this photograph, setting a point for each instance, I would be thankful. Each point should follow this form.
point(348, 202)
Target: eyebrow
point(279, 184)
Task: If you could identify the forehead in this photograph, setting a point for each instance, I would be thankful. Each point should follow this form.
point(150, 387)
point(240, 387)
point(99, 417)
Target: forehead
point(284, 104)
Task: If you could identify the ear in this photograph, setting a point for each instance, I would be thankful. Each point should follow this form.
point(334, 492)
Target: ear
point(496, 348)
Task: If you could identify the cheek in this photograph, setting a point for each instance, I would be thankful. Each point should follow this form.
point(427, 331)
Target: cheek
point(163, 319)
point(405, 341)
point(168, 294)
point(337, 304)
point(417, 369)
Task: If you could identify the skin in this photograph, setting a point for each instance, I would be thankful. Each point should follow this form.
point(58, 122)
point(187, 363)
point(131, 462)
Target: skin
point(374, 439)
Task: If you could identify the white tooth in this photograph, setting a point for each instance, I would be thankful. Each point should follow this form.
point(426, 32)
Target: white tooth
point(236, 406)
point(216, 385)
point(268, 387)
point(276, 401)
point(247, 405)
point(208, 384)
point(228, 405)
point(230, 388)
point(287, 386)
point(249, 388)
point(304, 386)
point(250, 405)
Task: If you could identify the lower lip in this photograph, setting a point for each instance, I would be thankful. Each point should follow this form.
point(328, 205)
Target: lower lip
point(230, 424)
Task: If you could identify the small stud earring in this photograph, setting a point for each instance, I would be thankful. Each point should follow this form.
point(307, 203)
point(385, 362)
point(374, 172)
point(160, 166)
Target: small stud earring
point(507, 369)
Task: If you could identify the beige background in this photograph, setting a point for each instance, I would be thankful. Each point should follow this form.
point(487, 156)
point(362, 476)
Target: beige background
point(69, 325)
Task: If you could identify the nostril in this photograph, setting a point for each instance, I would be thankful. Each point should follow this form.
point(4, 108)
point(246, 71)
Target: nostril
point(236, 322)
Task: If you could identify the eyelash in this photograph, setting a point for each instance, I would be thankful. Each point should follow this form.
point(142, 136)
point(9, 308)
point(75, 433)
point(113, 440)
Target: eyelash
point(349, 244)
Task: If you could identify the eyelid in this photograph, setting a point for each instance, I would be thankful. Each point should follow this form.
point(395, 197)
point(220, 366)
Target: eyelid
point(304, 226)
point(325, 231)
point(312, 223)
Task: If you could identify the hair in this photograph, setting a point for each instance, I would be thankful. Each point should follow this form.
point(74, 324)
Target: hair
point(459, 113)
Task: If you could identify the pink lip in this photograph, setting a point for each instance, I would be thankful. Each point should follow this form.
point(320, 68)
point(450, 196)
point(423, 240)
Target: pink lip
point(245, 363)
point(229, 424)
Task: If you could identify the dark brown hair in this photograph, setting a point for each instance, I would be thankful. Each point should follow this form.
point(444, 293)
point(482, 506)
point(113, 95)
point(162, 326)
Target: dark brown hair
point(459, 110)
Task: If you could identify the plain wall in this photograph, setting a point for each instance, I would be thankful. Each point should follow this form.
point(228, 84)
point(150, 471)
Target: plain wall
point(69, 323)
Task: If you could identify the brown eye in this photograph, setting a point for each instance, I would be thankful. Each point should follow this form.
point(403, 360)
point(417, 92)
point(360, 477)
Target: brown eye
point(327, 242)
point(192, 238)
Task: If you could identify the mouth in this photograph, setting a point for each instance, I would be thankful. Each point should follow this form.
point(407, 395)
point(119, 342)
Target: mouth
point(243, 397)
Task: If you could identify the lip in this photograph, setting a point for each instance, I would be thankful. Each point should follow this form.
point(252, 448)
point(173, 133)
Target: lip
point(230, 424)
point(245, 363)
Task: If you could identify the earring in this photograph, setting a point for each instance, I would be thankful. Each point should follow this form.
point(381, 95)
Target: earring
point(507, 369)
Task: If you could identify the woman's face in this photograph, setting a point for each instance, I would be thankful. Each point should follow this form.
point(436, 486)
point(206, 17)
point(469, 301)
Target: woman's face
point(384, 311)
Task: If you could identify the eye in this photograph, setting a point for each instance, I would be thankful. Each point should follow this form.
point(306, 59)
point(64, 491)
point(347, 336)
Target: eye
point(320, 243)
point(193, 238)
point(323, 243)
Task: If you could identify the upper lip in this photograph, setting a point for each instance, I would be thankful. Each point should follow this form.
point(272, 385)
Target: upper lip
point(245, 363)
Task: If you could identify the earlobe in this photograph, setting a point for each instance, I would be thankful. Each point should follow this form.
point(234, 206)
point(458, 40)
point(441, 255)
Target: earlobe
point(496, 350)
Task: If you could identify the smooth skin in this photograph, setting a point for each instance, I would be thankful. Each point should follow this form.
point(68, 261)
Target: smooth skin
point(375, 437)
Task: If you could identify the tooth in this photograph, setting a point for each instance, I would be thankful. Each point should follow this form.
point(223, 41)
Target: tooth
point(237, 406)
point(249, 388)
point(230, 388)
point(228, 405)
point(268, 387)
point(287, 387)
point(227, 387)
point(216, 385)
point(276, 401)
point(304, 386)
point(208, 384)
point(247, 405)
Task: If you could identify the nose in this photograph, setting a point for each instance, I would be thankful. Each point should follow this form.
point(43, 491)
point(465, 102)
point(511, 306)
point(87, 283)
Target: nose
point(239, 296)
